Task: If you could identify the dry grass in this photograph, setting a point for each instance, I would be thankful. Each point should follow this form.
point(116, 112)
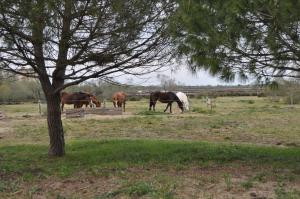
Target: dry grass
point(239, 120)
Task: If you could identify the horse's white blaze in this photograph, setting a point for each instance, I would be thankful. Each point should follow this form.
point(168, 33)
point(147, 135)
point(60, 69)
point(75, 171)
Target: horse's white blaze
point(184, 99)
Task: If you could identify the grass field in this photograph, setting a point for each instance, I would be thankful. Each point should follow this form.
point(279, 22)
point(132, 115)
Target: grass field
point(247, 147)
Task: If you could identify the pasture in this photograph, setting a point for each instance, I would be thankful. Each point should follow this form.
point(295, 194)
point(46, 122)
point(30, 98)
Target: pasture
point(246, 147)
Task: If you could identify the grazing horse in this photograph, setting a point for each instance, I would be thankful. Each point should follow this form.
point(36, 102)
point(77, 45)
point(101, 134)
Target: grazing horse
point(119, 99)
point(184, 99)
point(78, 99)
point(164, 97)
point(93, 101)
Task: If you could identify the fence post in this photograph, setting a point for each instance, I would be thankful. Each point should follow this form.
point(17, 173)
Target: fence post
point(104, 103)
point(40, 108)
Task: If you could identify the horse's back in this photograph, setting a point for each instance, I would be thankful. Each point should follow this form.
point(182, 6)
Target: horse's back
point(119, 96)
point(164, 97)
point(76, 97)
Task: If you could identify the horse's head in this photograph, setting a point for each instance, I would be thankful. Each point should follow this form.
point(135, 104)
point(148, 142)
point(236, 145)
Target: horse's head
point(95, 101)
point(180, 104)
point(98, 103)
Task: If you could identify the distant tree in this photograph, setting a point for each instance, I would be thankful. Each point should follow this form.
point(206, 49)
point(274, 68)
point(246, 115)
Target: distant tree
point(65, 42)
point(166, 82)
point(35, 89)
point(240, 37)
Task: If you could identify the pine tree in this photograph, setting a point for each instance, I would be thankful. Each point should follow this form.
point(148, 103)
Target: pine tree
point(258, 38)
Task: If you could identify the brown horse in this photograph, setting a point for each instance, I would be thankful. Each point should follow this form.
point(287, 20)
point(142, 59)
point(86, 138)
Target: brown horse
point(119, 99)
point(78, 99)
point(164, 97)
point(93, 102)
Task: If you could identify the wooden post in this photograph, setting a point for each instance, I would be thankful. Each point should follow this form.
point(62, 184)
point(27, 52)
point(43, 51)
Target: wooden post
point(104, 103)
point(40, 108)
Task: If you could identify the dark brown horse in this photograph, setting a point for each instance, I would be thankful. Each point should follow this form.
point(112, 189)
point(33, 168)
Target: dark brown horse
point(119, 99)
point(164, 97)
point(78, 99)
point(93, 102)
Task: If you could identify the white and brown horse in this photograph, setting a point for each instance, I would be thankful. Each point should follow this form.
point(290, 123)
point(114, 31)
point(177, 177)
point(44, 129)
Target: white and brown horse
point(164, 97)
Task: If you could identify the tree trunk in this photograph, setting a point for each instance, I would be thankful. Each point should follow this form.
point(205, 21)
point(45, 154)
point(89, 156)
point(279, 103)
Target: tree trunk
point(55, 127)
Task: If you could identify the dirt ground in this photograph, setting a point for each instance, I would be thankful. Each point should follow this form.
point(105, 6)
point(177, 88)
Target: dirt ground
point(194, 182)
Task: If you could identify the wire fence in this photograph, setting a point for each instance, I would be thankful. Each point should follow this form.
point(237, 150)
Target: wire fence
point(41, 105)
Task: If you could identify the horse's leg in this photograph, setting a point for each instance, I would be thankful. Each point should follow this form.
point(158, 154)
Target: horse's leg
point(171, 107)
point(167, 107)
point(124, 105)
point(62, 106)
point(91, 104)
point(150, 105)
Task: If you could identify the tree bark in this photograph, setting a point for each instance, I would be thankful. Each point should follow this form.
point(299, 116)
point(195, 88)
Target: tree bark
point(55, 127)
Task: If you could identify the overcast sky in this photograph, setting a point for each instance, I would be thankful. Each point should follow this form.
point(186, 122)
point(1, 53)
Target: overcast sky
point(182, 76)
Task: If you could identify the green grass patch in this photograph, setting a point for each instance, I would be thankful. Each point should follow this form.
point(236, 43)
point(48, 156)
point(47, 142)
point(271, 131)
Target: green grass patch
point(248, 101)
point(140, 189)
point(151, 113)
point(126, 153)
point(203, 111)
point(135, 190)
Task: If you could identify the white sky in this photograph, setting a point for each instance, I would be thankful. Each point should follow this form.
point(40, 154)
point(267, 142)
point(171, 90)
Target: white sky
point(182, 75)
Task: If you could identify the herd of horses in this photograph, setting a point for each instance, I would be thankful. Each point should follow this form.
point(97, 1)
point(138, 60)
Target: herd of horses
point(78, 99)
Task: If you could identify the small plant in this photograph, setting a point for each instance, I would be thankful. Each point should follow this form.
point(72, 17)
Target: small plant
point(248, 184)
point(134, 98)
point(135, 190)
point(64, 171)
point(140, 189)
point(261, 177)
point(3, 186)
point(33, 190)
point(28, 176)
point(248, 101)
point(151, 113)
point(200, 110)
point(228, 182)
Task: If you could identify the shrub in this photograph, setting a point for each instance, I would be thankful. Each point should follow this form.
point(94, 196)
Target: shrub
point(134, 98)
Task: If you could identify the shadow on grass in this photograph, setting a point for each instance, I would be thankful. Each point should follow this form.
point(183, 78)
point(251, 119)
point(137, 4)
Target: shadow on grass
point(125, 153)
